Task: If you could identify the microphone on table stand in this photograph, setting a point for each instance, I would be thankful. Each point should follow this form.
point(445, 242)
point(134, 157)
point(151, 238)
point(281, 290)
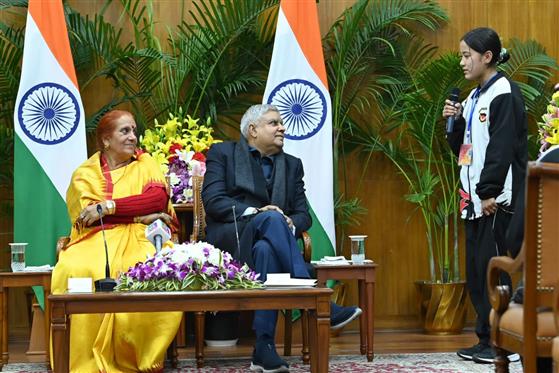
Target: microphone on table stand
point(158, 232)
point(106, 284)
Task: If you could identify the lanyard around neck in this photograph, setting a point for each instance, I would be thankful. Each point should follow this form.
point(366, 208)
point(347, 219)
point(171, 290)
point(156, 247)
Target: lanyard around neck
point(475, 98)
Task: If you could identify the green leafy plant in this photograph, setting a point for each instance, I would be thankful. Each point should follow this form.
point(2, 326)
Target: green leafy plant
point(360, 52)
point(212, 66)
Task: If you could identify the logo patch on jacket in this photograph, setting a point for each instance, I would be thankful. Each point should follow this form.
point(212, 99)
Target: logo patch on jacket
point(483, 115)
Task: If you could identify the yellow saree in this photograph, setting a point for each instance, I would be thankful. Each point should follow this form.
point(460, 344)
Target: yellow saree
point(132, 342)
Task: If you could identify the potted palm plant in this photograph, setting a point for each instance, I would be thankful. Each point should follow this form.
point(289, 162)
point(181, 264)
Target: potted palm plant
point(413, 140)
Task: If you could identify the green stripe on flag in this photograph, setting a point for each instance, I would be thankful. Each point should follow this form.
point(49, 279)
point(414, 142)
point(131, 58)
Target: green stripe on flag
point(40, 214)
point(321, 244)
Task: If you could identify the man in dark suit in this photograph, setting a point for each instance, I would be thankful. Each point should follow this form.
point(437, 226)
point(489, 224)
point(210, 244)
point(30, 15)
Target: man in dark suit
point(259, 184)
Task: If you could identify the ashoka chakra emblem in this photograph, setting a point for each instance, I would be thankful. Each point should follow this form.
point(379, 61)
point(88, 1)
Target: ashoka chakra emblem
point(48, 113)
point(302, 107)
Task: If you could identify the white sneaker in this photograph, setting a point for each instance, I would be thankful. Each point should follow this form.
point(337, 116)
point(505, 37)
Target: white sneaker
point(514, 357)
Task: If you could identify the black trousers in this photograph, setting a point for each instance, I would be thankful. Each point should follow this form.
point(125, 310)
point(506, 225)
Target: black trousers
point(485, 238)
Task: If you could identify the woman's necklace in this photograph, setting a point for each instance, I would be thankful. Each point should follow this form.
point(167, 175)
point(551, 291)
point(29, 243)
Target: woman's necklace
point(109, 166)
point(121, 175)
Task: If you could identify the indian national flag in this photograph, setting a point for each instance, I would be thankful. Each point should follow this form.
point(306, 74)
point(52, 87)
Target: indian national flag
point(50, 133)
point(297, 85)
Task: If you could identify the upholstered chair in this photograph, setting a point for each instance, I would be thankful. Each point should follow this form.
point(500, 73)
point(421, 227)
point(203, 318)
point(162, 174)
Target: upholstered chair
point(529, 328)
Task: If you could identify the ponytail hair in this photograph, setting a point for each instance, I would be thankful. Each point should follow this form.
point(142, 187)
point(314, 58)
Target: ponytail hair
point(504, 56)
point(483, 39)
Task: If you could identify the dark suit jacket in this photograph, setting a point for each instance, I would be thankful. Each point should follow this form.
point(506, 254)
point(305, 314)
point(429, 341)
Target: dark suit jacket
point(234, 178)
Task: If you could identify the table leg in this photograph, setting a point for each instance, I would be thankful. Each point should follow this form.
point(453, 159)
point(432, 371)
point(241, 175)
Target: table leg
point(322, 335)
point(305, 332)
point(46, 292)
point(4, 322)
point(313, 339)
point(321, 280)
point(199, 320)
point(60, 327)
point(363, 322)
point(370, 319)
point(287, 328)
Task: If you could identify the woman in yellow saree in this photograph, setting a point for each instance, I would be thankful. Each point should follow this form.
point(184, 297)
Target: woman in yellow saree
point(130, 189)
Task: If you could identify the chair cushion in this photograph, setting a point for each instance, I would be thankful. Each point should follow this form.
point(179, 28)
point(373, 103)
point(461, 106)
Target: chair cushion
point(512, 325)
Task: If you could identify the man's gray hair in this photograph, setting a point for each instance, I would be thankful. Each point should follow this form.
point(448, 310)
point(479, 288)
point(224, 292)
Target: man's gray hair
point(253, 114)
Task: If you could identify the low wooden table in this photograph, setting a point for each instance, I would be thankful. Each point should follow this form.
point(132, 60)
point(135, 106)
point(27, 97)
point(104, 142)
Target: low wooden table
point(365, 276)
point(21, 279)
point(316, 300)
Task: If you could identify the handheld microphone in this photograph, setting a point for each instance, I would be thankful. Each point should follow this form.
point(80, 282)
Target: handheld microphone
point(106, 284)
point(454, 93)
point(158, 232)
point(236, 231)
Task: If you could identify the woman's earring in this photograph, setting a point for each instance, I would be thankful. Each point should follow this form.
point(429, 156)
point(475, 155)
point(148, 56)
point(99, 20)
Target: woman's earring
point(106, 147)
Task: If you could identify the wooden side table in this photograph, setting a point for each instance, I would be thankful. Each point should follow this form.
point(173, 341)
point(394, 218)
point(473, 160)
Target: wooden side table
point(22, 279)
point(365, 276)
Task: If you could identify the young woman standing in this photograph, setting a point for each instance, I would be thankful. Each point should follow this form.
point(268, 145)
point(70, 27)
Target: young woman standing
point(490, 139)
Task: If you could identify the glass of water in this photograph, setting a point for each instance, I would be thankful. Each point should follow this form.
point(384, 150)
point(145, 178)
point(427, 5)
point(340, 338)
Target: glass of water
point(358, 249)
point(18, 256)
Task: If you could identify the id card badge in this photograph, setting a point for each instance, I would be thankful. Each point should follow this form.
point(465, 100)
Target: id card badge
point(465, 155)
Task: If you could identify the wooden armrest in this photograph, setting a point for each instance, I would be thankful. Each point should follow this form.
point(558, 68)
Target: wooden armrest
point(307, 246)
point(500, 295)
point(198, 212)
point(556, 305)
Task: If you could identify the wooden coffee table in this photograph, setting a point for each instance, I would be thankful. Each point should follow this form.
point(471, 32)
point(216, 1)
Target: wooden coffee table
point(316, 300)
point(21, 279)
point(365, 276)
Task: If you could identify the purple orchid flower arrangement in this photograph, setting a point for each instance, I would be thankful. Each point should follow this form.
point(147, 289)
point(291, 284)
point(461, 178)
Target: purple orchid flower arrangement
point(182, 166)
point(189, 266)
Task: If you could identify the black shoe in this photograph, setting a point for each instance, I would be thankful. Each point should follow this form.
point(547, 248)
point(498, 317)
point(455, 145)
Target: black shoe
point(266, 359)
point(344, 316)
point(468, 353)
point(485, 356)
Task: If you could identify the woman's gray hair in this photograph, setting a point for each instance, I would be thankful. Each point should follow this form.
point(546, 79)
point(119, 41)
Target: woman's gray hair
point(253, 114)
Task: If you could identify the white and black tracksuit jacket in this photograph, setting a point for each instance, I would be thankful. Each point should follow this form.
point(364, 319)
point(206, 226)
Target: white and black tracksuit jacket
point(499, 143)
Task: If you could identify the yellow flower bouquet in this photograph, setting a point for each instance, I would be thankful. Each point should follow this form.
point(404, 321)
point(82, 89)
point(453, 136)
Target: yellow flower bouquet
point(549, 128)
point(178, 146)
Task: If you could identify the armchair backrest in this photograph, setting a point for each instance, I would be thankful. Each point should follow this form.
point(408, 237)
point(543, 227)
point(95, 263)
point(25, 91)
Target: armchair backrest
point(541, 248)
point(541, 234)
point(198, 212)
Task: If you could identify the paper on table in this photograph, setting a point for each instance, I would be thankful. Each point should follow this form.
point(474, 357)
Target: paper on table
point(43, 268)
point(284, 279)
point(338, 262)
point(332, 260)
